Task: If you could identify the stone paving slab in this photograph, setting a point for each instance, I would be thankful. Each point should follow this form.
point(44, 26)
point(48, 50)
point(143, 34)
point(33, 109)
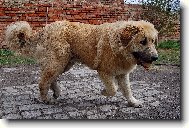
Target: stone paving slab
point(80, 98)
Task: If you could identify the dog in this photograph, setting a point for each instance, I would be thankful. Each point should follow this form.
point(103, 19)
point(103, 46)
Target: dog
point(113, 49)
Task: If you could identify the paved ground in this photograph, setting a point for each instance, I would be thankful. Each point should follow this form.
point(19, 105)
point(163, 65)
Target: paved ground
point(159, 89)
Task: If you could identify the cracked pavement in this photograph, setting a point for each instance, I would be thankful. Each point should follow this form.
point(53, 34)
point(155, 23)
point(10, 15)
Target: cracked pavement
point(158, 89)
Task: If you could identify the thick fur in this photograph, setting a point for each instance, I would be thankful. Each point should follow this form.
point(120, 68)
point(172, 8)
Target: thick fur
point(107, 48)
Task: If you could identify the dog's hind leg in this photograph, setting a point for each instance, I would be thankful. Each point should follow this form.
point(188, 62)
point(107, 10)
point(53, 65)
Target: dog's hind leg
point(124, 84)
point(54, 66)
point(48, 76)
point(110, 86)
point(55, 88)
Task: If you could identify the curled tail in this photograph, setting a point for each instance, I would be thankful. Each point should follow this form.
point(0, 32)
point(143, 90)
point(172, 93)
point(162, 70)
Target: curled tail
point(18, 33)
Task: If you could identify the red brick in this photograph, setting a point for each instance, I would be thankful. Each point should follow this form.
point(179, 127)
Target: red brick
point(15, 18)
point(94, 22)
point(28, 4)
point(42, 19)
point(83, 15)
point(32, 15)
point(69, 17)
point(54, 17)
point(58, 12)
point(69, 6)
point(41, 14)
point(14, 9)
point(18, 12)
point(77, 6)
point(89, 12)
point(44, 5)
point(5, 17)
point(1, 8)
point(74, 12)
point(42, 9)
point(36, 24)
point(10, 14)
point(7, 9)
point(77, 17)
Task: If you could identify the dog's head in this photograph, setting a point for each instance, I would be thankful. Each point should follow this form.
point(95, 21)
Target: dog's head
point(137, 41)
point(17, 37)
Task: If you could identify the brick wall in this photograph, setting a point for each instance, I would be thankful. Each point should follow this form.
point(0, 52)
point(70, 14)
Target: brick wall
point(40, 12)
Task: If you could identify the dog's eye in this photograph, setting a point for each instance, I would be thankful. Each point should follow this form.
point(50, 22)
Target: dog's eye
point(144, 42)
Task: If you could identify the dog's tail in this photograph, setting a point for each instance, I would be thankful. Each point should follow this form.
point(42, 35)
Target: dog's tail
point(18, 32)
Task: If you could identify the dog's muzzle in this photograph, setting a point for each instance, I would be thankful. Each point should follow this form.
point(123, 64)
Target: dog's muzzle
point(145, 59)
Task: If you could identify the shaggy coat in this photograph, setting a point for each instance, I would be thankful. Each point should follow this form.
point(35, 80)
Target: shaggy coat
point(113, 49)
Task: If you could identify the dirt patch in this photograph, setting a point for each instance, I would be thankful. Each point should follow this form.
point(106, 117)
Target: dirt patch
point(159, 89)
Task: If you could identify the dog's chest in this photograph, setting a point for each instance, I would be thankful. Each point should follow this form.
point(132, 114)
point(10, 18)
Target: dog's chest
point(123, 66)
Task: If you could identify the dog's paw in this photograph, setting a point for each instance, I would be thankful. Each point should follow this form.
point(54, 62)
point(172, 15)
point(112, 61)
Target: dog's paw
point(56, 94)
point(105, 93)
point(135, 103)
point(56, 91)
point(48, 100)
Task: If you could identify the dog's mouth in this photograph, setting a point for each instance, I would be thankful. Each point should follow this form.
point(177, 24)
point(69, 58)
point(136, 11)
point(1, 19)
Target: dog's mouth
point(145, 65)
point(144, 60)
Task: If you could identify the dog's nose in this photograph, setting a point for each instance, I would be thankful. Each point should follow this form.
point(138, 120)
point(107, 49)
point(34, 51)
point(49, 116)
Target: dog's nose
point(154, 58)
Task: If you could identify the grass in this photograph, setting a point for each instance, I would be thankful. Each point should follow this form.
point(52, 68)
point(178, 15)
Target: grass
point(169, 53)
point(6, 53)
point(7, 57)
point(169, 45)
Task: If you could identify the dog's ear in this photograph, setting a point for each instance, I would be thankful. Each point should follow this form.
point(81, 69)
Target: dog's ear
point(22, 39)
point(120, 38)
point(127, 34)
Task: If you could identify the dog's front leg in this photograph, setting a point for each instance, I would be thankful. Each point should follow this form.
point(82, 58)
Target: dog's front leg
point(124, 84)
point(109, 82)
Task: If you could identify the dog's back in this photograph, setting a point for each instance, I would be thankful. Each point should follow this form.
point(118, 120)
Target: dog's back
point(82, 38)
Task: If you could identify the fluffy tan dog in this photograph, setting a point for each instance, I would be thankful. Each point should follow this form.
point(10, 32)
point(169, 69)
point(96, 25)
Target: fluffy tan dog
point(113, 49)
